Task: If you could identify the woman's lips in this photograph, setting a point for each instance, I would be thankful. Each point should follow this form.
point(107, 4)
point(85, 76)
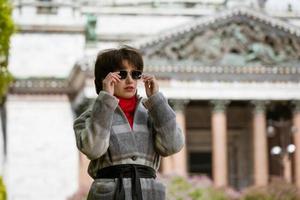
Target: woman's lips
point(129, 88)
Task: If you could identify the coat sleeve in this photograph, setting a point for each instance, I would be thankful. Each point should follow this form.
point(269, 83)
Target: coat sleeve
point(169, 138)
point(92, 128)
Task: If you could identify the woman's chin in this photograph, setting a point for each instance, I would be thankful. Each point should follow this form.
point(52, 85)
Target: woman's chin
point(127, 95)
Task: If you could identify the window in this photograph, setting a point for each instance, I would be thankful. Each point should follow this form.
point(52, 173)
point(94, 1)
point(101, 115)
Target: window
point(46, 7)
point(200, 163)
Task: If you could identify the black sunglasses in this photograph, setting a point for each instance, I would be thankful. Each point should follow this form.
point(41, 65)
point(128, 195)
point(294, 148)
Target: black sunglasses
point(135, 74)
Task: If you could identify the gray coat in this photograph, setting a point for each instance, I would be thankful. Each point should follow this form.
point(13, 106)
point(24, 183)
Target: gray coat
point(104, 135)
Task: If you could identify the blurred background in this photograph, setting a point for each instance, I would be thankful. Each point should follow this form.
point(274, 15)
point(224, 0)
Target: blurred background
point(230, 69)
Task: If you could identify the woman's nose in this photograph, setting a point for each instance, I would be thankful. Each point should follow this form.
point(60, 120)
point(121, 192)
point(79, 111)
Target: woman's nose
point(129, 79)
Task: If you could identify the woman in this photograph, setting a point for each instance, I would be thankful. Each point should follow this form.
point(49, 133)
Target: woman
point(123, 134)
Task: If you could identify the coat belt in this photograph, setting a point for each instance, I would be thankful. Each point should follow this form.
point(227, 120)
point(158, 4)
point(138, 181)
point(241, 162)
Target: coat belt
point(133, 171)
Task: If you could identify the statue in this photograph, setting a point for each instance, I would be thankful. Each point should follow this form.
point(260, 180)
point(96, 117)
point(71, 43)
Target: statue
point(90, 28)
point(238, 44)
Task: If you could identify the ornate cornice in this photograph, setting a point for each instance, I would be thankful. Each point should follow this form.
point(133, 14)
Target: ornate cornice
point(259, 106)
point(215, 19)
point(296, 104)
point(64, 29)
point(219, 105)
point(40, 86)
point(179, 104)
point(194, 68)
point(155, 66)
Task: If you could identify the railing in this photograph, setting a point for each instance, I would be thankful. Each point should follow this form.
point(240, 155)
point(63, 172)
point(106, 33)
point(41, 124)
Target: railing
point(35, 3)
point(40, 85)
point(143, 2)
point(169, 7)
point(111, 3)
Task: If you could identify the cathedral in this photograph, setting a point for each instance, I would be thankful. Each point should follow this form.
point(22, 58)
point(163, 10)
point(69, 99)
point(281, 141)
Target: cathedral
point(230, 70)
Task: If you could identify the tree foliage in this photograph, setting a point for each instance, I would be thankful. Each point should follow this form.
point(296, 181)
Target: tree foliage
point(6, 30)
point(3, 195)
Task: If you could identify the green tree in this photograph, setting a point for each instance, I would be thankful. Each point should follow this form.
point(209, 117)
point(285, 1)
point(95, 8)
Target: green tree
point(3, 195)
point(6, 30)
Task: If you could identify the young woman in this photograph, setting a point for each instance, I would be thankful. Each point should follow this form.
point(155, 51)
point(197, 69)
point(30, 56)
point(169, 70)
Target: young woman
point(123, 134)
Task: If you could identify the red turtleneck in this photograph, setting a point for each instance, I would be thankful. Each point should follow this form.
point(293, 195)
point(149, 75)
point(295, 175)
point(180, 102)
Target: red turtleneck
point(128, 107)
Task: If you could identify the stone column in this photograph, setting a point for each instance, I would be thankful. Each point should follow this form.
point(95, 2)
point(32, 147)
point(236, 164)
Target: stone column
point(287, 168)
point(180, 158)
point(177, 163)
point(167, 165)
point(219, 143)
point(84, 179)
point(260, 148)
point(296, 135)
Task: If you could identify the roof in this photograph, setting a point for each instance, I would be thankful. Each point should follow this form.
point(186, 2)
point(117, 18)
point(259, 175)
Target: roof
point(236, 38)
point(157, 61)
point(224, 17)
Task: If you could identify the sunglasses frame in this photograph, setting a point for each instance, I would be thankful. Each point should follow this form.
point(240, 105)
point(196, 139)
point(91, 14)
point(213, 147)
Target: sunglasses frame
point(134, 77)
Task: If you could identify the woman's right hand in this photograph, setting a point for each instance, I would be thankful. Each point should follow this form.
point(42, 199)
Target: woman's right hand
point(109, 82)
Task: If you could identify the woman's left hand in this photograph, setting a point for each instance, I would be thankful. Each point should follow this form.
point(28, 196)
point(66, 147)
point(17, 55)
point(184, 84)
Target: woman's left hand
point(151, 84)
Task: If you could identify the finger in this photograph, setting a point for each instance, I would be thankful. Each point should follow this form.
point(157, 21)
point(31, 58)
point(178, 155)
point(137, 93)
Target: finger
point(146, 76)
point(111, 80)
point(111, 76)
point(112, 83)
point(148, 79)
point(115, 79)
point(148, 84)
point(116, 76)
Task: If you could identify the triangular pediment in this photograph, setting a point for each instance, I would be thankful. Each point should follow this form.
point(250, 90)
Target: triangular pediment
point(239, 37)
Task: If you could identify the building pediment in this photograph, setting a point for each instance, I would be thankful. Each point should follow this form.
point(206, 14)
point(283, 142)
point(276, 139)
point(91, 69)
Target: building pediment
point(239, 37)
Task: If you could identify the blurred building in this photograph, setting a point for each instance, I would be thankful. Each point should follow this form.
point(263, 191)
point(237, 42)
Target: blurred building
point(229, 68)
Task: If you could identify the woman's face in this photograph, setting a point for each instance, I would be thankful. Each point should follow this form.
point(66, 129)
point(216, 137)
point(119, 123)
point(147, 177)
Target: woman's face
point(126, 88)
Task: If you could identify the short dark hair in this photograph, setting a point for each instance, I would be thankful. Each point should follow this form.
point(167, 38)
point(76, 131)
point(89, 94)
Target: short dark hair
point(111, 60)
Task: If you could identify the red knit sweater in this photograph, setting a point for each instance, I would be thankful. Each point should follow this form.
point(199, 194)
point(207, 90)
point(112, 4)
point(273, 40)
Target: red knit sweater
point(128, 107)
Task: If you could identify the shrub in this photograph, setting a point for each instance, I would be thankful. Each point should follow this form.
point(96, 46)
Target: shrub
point(193, 188)
point(277, 190)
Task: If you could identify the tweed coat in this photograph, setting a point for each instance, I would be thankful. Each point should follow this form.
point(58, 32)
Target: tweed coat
point(104, 135)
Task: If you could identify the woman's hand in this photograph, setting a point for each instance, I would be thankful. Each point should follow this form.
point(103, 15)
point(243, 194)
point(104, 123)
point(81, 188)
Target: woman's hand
point(109, 82)
point(151, 84)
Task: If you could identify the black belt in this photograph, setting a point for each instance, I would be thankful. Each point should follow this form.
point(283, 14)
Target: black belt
point(135, 172)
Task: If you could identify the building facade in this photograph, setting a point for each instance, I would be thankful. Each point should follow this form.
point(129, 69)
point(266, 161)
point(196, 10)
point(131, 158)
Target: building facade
point(231, 73)
point(233, 80)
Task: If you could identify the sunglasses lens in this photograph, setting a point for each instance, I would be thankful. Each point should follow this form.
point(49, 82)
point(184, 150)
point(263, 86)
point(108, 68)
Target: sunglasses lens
point(136, 74)
point(123, 74)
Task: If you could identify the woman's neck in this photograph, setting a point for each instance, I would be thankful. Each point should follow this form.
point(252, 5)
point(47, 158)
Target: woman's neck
point(128, 106)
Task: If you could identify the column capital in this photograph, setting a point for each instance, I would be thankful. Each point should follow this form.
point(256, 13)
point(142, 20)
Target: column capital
point(296, 104)
point(259, 105)
point(219, 105)
point(179, 104)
